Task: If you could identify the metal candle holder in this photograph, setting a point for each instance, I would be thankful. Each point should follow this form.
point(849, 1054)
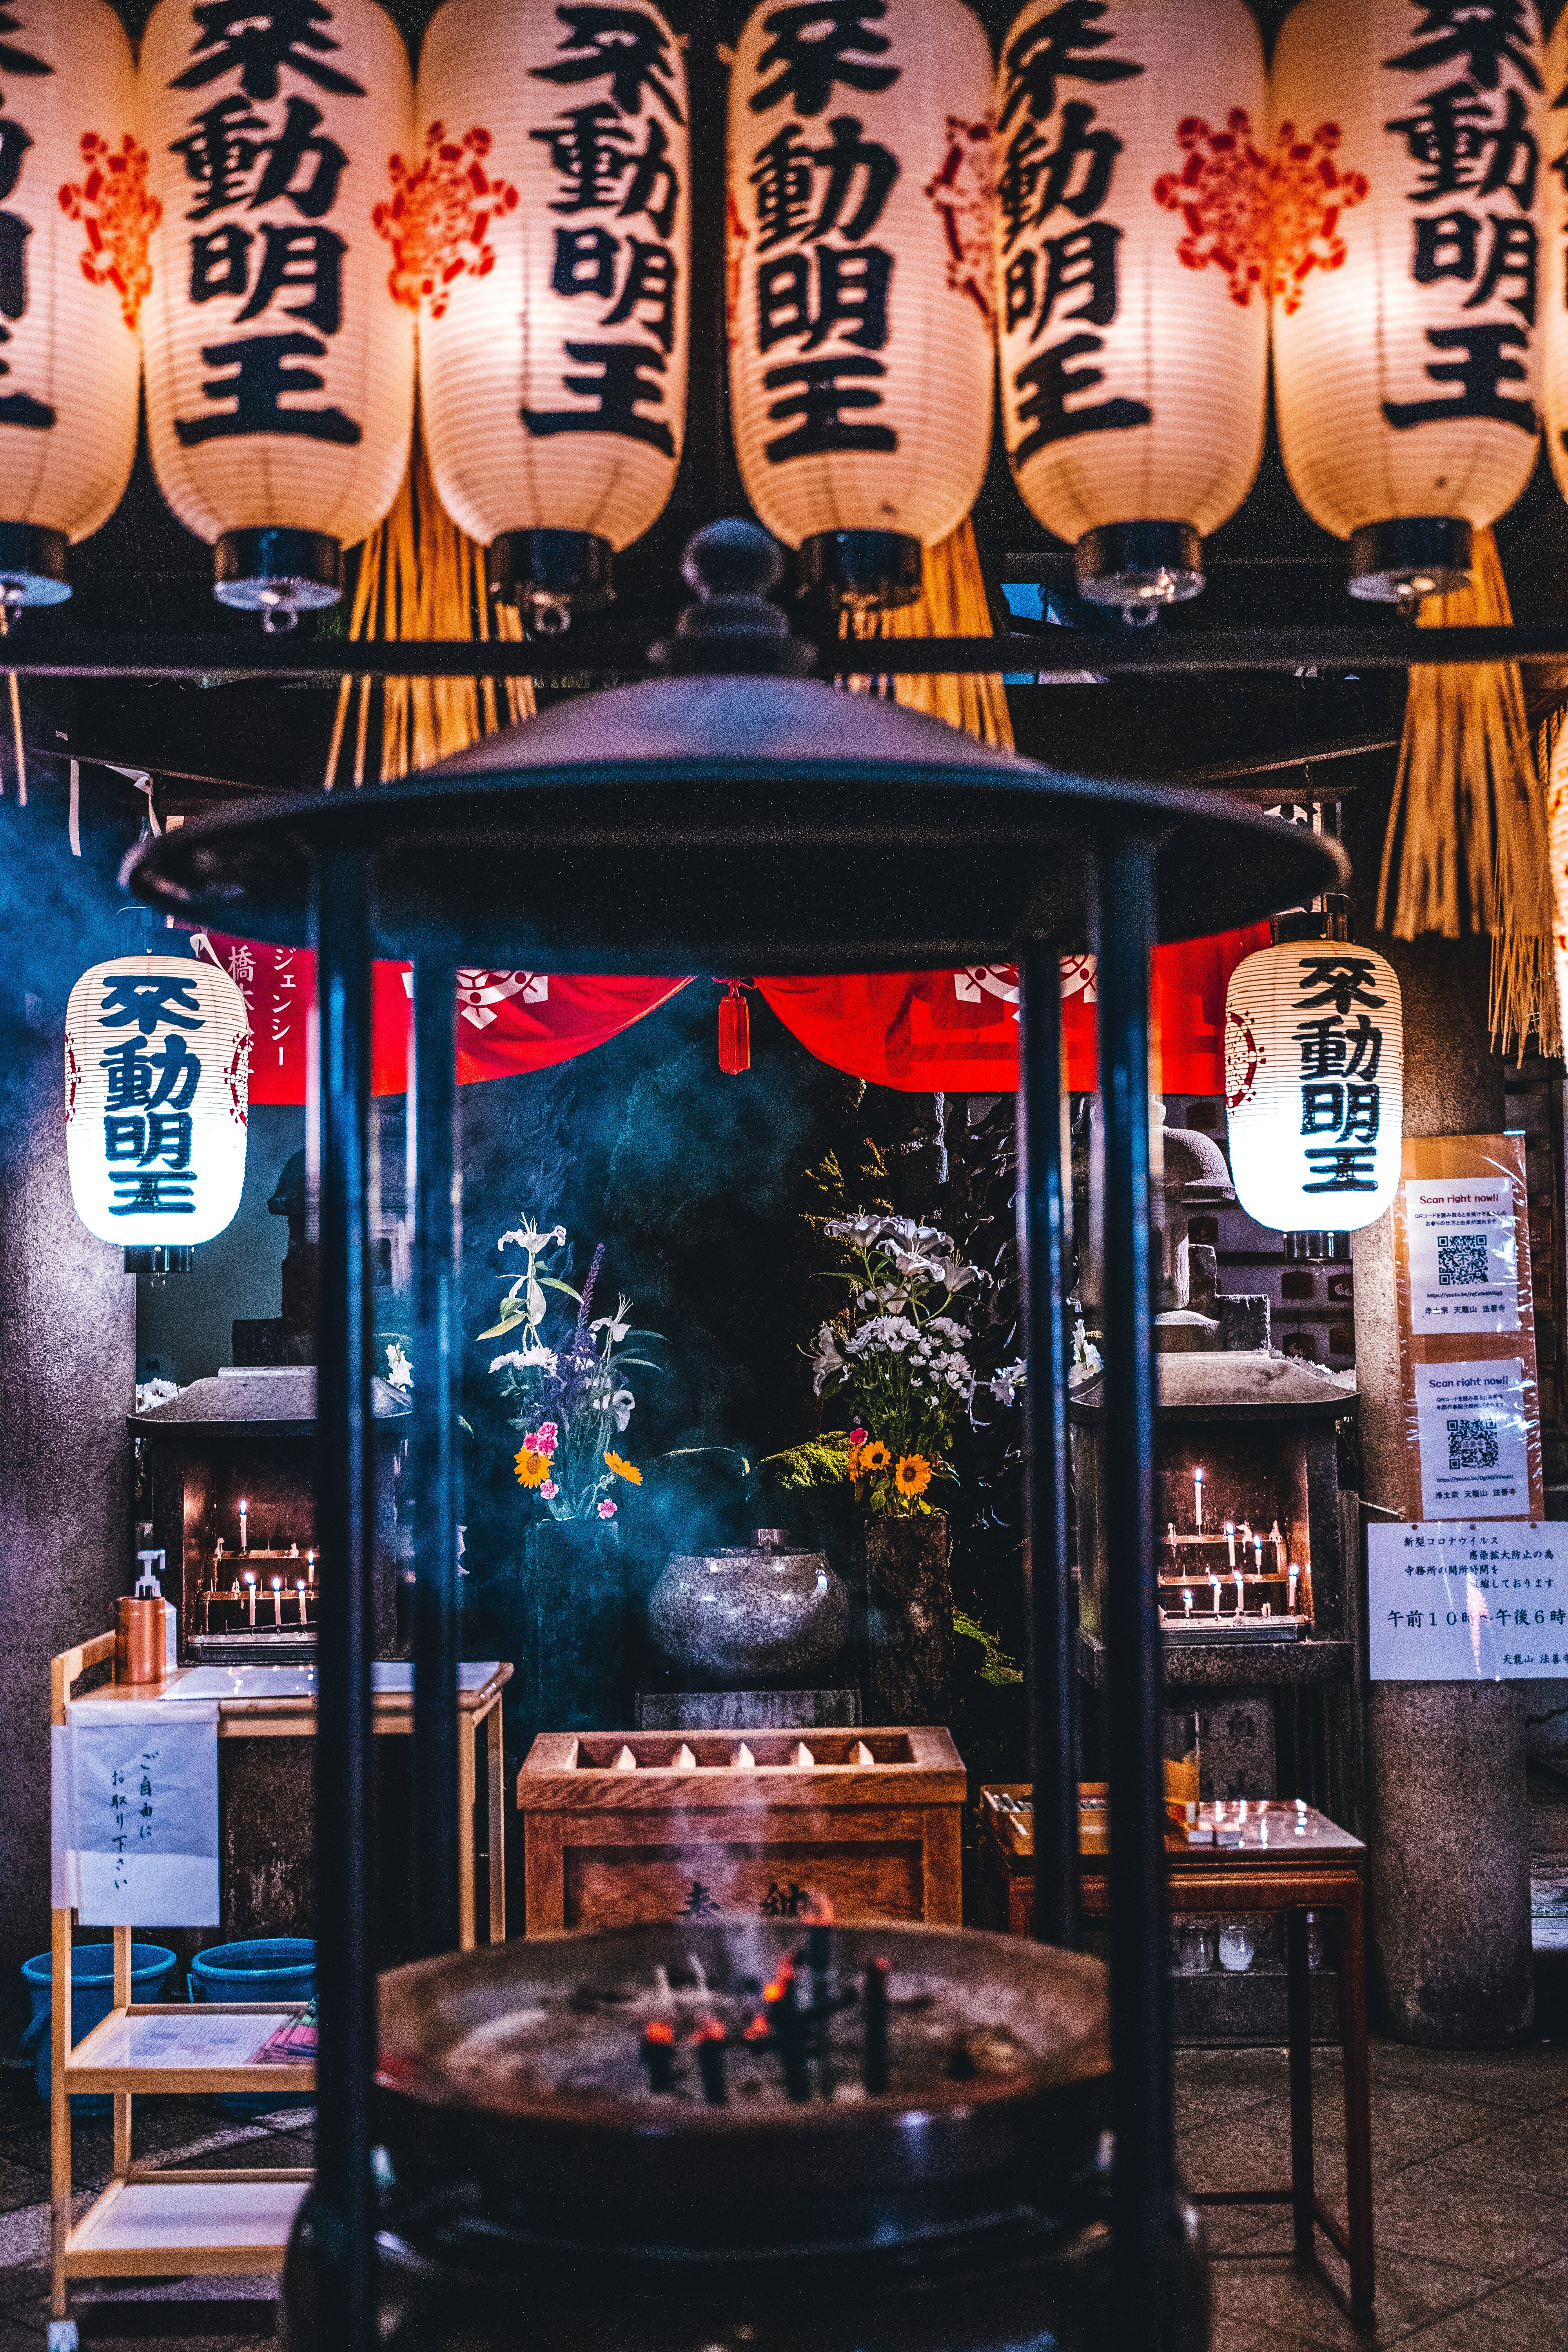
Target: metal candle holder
point(734, 816)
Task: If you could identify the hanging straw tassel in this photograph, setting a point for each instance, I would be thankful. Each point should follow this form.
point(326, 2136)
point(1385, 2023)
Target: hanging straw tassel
point(419, 578)
point(1465, 846)
point(1552, 765)
point(953, 603)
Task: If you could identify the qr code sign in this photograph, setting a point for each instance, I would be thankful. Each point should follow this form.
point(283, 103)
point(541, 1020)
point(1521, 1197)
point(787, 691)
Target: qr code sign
point(1472, 1445)
point(1461, 1258)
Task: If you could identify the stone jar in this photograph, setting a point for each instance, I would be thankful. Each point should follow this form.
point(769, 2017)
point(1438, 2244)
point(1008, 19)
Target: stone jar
point(909, 1619)
point(770, 1616)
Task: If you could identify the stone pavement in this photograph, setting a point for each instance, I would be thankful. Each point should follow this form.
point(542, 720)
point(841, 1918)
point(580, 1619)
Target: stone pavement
point(1470, 2188)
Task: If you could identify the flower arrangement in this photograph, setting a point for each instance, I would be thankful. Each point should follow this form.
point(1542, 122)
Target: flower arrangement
point(901, 1358)
point(568, 1399)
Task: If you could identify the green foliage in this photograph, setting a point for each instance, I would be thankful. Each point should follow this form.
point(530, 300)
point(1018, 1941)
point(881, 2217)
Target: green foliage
point(816, 1464)
point(995, 1665)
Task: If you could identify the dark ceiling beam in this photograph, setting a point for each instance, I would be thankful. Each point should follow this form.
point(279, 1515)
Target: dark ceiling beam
point(1156, 652)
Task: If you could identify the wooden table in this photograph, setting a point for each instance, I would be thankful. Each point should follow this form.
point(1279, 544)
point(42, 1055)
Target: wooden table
point(1290, 1860)
point(165, 2219)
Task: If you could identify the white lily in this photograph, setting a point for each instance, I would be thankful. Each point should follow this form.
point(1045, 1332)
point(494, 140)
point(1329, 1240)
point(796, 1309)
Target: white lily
point(827, 1358)
point(616, 1325)
point(399, 1370)
point(621, 1405)
point(1008, 1382)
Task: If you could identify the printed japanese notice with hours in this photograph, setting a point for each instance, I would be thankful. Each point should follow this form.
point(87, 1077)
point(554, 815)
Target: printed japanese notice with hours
point(1465, 1601)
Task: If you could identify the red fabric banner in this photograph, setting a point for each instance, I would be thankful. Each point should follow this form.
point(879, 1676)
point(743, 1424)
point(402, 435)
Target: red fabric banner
point(922, 1032)
point(958, 1030)
point(507, 1020)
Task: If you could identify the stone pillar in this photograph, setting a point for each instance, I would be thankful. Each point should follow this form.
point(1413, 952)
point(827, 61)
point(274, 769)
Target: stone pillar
point(1450, 1945)
point(68, 1347)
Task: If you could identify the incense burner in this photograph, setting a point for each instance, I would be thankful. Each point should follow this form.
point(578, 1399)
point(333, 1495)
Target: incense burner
point(901, 2148)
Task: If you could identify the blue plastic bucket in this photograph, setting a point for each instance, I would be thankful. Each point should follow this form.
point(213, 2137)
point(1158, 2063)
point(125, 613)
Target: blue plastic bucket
point(267, 1967)
point(92, 1996)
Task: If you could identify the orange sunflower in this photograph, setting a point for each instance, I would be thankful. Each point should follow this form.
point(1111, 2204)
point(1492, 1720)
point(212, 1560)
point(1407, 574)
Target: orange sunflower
point(875, 1457)
point(912, 1476)
point(626, 1470)
point(533, 1469)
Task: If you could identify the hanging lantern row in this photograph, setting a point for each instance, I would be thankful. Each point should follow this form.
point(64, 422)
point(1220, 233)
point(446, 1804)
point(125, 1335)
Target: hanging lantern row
point(285, 233)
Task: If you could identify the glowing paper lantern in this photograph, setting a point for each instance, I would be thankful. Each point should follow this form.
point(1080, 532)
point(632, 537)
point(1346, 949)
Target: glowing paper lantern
point(73, 273)
point(279, 368)
point(860, 310)
point(1132, 265)
point(1314, 1085)
point(540, 228)
point(1410, 155)
point(157, 1057)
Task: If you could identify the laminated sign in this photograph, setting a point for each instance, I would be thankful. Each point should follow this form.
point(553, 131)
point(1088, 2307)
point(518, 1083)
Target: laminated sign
point(1466, 1330)
point(134, 1815)
point(1462, 1600)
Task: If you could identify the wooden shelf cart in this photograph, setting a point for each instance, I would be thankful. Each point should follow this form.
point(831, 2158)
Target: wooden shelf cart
point(163, 2220)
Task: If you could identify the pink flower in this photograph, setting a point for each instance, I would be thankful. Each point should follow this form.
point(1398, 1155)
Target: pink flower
point(856, 1436)
point(550, 1490)
point(548, 1430)
point(607, 1509)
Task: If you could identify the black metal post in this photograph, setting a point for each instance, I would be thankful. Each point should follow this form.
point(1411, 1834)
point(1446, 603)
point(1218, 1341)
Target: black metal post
point(437, 1244)
point(1042, 1246)
point(1142, 2197)
point(342, 2203)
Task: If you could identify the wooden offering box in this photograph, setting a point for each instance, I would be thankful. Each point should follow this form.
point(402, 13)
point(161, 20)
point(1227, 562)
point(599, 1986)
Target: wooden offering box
point(740, 1824)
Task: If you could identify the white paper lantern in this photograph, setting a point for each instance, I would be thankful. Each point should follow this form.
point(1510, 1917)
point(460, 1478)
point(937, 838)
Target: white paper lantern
point(859, 297)
point(280, 368)
point(1314, 1070)
point(157, 1063)
point(1554, 259)
point(75, 215)
point(1410, 152)
point(542, 228)
point(1132, 265)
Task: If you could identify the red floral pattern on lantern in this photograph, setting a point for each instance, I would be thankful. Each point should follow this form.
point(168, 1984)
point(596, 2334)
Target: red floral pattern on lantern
point(964, 192)
point(1308, 193)
point(119, 212)
point(1267, 221)
point(1222, 192)
point(438, 216)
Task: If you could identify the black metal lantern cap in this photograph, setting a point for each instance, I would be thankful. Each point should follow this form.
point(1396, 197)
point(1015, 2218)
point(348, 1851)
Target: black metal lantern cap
point(1140, 566)
point(278, 574)
point(550, 575)
point(711, 821)
point(33, 564)
point(866, 571)
point(1400, 561)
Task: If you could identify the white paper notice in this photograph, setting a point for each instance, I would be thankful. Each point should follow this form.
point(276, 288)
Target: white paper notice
point(134, 1807)
point(1469, 1420)
point(1462, 1600)
point(1464, 1255)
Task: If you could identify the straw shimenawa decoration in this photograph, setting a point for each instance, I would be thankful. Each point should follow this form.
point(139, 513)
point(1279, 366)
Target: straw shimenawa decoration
point(1465, 847)
point(419, 578)
point(1552, 766)
point(953, 603)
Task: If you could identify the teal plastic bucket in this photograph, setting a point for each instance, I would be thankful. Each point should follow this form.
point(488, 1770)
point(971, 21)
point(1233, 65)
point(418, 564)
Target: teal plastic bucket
point(92, 1996)
point(266, 1968)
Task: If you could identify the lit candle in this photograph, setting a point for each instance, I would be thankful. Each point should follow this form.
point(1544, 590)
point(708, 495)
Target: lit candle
point(1230, 1540)
point(1258, 1552)
point(1214, 1582)
point(1187, 1602)
point(299, 1590)
point(244, 1525)
point(310, 1568)
point(1198, 1498)
point(1278, 1540)
point(1239, 1604)
point(250, 1595)
point(278, 1600)
point(1291, 1574)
